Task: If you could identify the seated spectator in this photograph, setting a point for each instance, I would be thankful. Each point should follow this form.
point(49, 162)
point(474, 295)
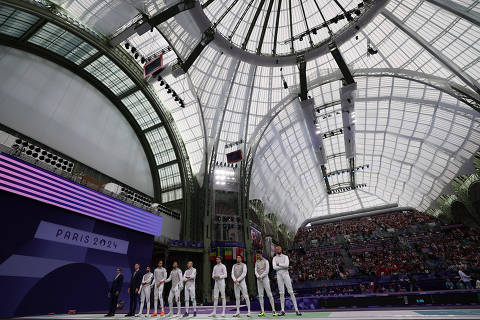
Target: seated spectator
point(477, 284)
point(460, 285)
point(449, 285)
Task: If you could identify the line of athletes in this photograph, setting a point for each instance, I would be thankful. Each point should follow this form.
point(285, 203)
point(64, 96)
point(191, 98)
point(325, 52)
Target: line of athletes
point(158, 278)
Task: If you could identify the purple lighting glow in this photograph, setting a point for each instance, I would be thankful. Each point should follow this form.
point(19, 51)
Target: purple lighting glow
point(30, 181)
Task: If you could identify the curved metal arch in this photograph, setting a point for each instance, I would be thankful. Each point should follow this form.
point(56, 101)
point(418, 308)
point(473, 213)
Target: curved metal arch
point(455, 69)
point(133, 71)
point(458, 10)
point(204, 23)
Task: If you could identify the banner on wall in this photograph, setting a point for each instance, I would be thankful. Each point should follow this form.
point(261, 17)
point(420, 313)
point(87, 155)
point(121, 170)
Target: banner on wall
point(256, 236)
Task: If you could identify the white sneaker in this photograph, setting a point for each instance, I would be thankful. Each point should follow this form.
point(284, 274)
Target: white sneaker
point(222, 315)
point(169, 314)
point(249, 314)
point(236, 315)
point(213, 314)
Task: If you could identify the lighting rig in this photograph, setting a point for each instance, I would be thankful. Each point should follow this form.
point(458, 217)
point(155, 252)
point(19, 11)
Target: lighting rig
point(348, 15)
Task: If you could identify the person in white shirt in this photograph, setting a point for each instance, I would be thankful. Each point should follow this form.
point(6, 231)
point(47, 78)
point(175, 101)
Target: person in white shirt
point(280, 264)
point(177, 285)
point(219, 274)
point(159, 277)
point(262, 267)
point(145, 290)
point(239, 272)
point(466, 279)
point(189, 279)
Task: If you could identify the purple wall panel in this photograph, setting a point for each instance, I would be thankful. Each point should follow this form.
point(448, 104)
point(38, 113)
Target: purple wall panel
point(30, 181)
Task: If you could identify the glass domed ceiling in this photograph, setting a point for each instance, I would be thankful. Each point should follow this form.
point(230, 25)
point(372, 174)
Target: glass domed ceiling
point(282, 27)
point(417, 110)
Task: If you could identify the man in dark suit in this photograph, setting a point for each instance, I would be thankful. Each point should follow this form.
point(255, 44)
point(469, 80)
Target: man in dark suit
point(135, 283)
point(114, 292)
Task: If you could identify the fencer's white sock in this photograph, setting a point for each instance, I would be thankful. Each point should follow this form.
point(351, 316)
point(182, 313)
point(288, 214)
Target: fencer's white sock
point(262, 307)
point(282, 301)
point(247, 301)
point(272, 302)
point(294, 300)
point(215, 303)
point(194, 302)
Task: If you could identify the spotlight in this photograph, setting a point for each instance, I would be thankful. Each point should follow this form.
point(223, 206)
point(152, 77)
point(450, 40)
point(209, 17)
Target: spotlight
point(285, 85)
point(169, 90)
point(314, 30)
point(133, 50)
point(162, 83)
point(35, 155)
point(301, 38)
point(167, 86)
point(41, 158)
point(142, 60)
point(18, 141)
point(176, 99)
point(136, 55)
point(44, 152)
point(127, 45)
point(29, 152)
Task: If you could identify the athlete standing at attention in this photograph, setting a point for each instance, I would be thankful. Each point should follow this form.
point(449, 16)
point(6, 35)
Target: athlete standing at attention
point(280, 264)
point(239, 272)
point(159, 277)
point(219, 274)
point(177, 284)
point(189, 279)
point(262, 267)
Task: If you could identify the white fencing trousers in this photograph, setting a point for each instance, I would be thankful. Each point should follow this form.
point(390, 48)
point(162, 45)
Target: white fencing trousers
point(264, 285)
point(219, 288)
point(241, 286)
point(174, 293)
point(190, 295)
point(145, 296)
point(283, 279)
point(158, 295)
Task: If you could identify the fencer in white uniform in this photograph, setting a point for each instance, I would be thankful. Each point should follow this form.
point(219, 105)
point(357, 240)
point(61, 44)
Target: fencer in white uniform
point(280, 264)
point(239, 272)
point(262, 267)
point(159, 277)
point(219, 274)
point(145, 290)
point(189, 279)
point(177, 285)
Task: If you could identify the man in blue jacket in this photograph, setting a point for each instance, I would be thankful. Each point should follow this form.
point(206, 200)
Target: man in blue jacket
point(135, 283)
point(114, 292)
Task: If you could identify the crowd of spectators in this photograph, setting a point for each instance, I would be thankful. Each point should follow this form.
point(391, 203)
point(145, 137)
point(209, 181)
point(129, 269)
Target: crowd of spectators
point(398, 244)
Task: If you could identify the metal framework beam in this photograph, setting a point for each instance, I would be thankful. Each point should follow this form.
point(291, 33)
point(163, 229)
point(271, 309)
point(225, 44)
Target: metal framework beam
point(206, 39)
point(302, 67)
point(277, 21)
point(342, 65)
point(264, 28)
point(252, 24)
point(147, 23)
point(457, 9)
point(448, 63)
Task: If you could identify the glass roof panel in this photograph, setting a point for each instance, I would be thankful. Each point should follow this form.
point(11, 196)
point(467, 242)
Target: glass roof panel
point(15, 23)
point(64, 43)
point(108, 73)
point(141, 109)
point(161, 146)
point(170, 176)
